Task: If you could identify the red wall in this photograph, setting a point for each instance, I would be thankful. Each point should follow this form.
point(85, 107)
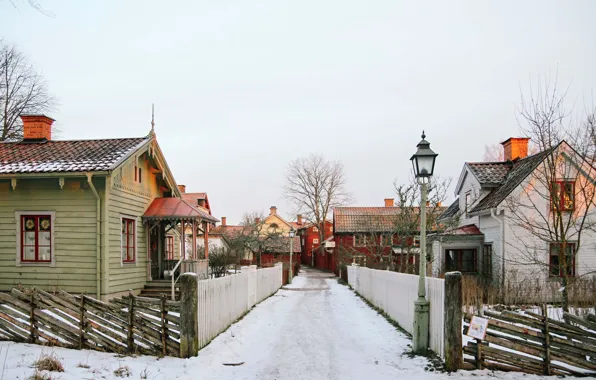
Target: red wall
point(307, 246)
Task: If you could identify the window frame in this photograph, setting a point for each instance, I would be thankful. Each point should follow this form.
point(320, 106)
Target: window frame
point(487, 260)
point(170, 252)
point(560, 196)
point(459, 260)
point(468, 201)
point(135, 243)
point(19, 215)
point(315, 241)
point(550, 256)
point(364, 239)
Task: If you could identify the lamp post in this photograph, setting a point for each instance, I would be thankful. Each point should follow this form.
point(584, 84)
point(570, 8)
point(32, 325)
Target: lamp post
point(423, 163)
point(292, 233)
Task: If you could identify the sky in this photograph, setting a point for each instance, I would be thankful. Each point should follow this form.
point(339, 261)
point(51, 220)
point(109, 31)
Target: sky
point(241, 88)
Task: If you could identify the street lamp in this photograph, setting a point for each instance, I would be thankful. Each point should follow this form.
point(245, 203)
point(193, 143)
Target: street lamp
point(423, 163)
point(292, 233)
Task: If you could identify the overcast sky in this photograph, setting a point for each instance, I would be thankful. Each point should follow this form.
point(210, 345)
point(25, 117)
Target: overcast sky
point(243, 87)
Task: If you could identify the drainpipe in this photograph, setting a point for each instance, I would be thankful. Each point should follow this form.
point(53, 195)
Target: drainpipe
point(493, 214)
point(98, 236)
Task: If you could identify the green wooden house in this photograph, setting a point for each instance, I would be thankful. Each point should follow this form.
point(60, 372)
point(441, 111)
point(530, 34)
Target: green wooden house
point(96, 216)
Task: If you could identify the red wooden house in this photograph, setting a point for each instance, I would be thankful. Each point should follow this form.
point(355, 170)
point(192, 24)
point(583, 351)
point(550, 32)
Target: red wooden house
point(310, 244)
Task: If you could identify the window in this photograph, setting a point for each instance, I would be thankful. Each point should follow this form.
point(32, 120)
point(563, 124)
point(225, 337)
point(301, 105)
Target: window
point(138, 174)
point(563, 196)
point(386, 240)
point(315, 241)
point(487, 260)
point(170, 247)
point(302, 241)
point(315, 229)
point(360, 240)
point(468, 201)
point(36, 238)
point(557, 269)
point(463, 260)
point(128, 240)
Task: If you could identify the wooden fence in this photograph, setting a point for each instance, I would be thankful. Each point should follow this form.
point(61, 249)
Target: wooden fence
point(127, 325)
point(535, 344)
point(221, 301)
point(395, 294)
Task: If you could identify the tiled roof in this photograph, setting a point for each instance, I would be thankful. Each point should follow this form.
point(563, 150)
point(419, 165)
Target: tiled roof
point(65, 155)
point(451, 211)
point(489, 173)
point(282, 245)
point(227, 229)
point(519, 171)
point(175, 208)
point(368, 219)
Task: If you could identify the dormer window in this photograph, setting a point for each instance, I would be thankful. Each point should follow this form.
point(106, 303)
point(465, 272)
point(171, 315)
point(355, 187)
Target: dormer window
point(468, 201)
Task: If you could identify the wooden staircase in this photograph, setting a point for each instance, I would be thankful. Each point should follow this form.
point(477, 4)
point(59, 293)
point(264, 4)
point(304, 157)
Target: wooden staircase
point(155, 289)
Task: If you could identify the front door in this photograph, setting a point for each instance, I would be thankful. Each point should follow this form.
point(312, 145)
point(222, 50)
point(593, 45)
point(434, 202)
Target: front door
point(154, 253)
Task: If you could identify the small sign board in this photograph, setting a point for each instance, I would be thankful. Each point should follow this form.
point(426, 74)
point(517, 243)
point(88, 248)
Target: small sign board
point(478, 326)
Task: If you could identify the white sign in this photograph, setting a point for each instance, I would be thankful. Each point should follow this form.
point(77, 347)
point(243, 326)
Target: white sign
point(478, 326)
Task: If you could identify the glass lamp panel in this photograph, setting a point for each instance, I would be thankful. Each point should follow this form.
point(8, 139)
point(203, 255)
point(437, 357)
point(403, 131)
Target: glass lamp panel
point(425, 164)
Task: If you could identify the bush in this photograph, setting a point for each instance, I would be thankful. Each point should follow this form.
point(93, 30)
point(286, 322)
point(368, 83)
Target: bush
point(49, 363)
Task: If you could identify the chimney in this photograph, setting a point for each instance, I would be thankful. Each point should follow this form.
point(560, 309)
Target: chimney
point(514, 148)
point(389, 202)
point(272, 210)
point(439, 204)
point(37, 127)
point(182, 188)
point(223, 221)
point(257, 220)
point(299, 219)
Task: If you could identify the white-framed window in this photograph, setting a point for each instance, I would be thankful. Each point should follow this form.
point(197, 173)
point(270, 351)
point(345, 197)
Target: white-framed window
point(128, 241)
point(315, 229)
point(138, 174)
point(360, 240)
point(35, 238)
point(315, 241)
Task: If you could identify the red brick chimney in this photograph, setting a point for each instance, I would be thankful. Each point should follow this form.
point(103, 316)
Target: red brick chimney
point(272, 210)
point(37, 127)
point(389, 202)
point(515, 147)
point(299, 219)
point(182, 188)
point(223, 221)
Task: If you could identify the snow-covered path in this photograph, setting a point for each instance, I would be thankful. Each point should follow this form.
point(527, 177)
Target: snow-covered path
point(315, 329)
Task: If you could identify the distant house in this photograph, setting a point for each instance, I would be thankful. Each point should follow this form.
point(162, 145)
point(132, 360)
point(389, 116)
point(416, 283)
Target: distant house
point(86, 215)
point(310, 242)
point(204, 238)
point(506, 210)
point(376, 236)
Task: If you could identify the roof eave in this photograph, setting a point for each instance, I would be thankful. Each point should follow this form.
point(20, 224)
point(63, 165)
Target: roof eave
point(54, 174)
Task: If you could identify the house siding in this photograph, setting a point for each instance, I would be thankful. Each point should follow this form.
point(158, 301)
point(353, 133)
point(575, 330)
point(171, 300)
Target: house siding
point(130, 199)
point(75, 235)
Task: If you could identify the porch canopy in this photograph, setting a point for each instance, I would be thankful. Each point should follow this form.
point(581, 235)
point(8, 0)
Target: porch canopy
point(177, 213)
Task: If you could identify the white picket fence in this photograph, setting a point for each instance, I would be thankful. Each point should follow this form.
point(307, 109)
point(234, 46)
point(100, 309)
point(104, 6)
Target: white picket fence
point(395, 294)
point(221, 301)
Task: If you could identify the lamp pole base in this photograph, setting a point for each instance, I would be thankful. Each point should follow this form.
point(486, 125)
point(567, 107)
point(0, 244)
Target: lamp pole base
point(421, 326)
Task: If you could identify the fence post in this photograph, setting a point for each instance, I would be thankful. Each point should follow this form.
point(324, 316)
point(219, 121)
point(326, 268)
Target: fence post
point(453, 321)
point(33, 331)
point(546, 333)
point(130, 338)
point(164, 326)
point(189, 315)
point(82, 324)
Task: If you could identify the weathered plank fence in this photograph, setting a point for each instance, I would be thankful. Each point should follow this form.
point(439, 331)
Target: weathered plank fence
point(533, 343)
point(127, 325)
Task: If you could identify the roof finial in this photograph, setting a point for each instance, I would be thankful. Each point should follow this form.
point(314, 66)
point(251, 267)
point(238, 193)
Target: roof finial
point(152, 119)
point(423, 135)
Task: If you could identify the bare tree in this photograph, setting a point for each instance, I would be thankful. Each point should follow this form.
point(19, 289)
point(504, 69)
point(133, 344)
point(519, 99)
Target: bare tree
point(33, 4)
point(556, 205)
point(493, 153)
point(315, 186)
point(22, 91)
point(253, 237)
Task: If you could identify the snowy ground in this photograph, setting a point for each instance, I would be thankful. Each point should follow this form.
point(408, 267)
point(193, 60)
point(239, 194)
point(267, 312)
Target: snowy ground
point(316, 329)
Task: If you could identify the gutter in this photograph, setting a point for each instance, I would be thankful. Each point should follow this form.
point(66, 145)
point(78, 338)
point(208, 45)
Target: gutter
point(97, 238)
point(493, 214)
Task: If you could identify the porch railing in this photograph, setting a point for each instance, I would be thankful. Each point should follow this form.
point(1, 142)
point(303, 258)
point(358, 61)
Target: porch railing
point(199, 267)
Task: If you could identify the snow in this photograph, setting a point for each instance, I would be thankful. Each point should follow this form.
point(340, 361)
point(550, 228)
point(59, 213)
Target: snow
point(299, 333)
